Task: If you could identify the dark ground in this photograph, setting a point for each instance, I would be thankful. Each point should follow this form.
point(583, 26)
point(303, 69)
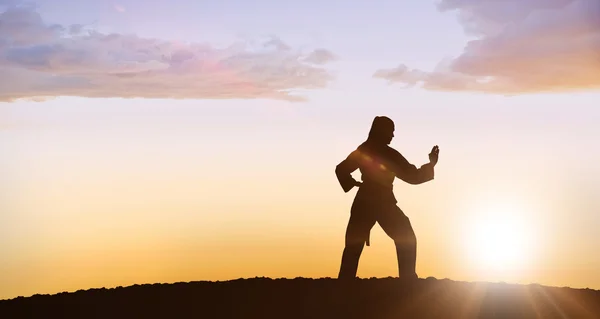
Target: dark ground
point(312, 298)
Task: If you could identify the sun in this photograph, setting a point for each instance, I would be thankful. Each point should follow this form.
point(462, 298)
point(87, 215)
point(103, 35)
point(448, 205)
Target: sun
point(499, 241)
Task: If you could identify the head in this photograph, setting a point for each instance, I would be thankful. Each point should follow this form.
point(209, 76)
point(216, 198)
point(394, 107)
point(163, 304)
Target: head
point(382, 130)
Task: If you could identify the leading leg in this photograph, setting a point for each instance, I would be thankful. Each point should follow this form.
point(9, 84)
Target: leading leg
point(397, 225)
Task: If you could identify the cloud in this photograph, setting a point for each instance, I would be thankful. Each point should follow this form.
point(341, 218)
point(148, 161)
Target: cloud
point(521, 46)
point(320, 56)
point(8, 2)
point(40, 60)
point(120, 8)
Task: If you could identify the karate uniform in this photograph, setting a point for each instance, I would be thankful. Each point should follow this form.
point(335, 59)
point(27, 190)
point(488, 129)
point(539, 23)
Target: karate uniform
point(375, 202)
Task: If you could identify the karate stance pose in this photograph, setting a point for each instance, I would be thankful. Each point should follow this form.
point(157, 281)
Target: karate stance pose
point(379, 164)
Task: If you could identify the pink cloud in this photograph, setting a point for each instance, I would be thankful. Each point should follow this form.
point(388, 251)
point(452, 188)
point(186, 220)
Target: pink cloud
point(44, 61)
point(521, 46)
point(120, 8)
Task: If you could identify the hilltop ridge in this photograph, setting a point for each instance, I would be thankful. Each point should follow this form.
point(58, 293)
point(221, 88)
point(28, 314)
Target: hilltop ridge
point(265, 298)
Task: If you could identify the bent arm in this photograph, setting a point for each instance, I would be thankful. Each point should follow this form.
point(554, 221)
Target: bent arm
point(410, 173)
point(344, 170)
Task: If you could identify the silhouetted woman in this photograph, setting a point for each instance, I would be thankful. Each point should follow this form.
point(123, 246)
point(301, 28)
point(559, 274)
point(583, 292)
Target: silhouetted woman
point(379, 164)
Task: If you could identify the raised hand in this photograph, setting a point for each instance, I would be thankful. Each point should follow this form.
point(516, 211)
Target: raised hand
point(434, 155)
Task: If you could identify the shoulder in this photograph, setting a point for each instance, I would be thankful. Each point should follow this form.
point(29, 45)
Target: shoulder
point(392, 151)
point(393, 154)
point(356, 154)
point(362, 149)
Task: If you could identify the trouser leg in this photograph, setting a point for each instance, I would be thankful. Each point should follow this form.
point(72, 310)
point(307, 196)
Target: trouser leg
point(350, 258)
point(398, 227)
point(357, 233)
point(406, 253)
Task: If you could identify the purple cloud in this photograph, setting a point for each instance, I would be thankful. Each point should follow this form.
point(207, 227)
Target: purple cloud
point(40, 60)
point(521, 46)
point(320, 56)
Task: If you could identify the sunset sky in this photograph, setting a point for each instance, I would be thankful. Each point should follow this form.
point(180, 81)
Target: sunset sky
point(165, 141)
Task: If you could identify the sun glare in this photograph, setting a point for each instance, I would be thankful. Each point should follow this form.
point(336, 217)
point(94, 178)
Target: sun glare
point(499, 241)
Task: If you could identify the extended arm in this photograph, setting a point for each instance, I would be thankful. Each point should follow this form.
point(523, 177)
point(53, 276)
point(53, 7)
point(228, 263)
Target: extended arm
point(410, 173)
point(344, 170)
